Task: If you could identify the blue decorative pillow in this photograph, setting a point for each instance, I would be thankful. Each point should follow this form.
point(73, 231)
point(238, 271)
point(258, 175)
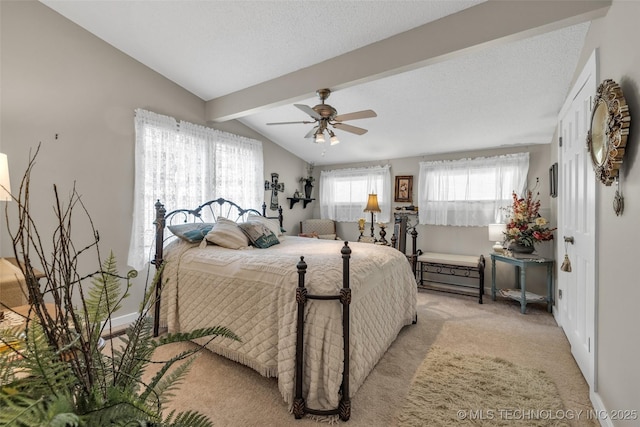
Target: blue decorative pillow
point(259, 234)
point(192, 232)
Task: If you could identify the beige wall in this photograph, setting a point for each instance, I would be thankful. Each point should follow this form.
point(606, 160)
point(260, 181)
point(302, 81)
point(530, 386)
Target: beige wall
point(618, 286)
point(57, 79)
point(465, 240)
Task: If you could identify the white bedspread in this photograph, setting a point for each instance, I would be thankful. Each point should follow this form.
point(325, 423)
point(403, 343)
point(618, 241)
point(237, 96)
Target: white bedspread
point(252, 292)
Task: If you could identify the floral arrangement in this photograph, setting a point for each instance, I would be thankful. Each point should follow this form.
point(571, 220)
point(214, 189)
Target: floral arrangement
point(526, 227)
point(309, 178)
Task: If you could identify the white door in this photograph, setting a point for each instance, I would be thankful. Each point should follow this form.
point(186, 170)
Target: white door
point(576, 219)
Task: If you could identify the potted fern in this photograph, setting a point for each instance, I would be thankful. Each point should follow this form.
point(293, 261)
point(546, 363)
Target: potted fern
point(55, 369)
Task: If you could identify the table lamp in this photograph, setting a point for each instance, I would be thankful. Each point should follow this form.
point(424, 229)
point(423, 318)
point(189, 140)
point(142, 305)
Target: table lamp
point(372, 206)
point(496, 234)
point(5, 184)
point(5, 191)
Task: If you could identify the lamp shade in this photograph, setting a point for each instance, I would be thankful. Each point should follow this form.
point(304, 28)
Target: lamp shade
point(334, 139)
point(496, 232)
point(372, 204)
point(5, 184)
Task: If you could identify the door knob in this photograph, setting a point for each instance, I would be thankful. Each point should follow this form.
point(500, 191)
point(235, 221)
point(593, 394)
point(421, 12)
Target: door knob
point(568, 239)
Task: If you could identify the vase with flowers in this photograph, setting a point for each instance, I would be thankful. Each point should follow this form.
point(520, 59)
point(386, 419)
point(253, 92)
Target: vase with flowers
point(526, 227)
point(308, 186)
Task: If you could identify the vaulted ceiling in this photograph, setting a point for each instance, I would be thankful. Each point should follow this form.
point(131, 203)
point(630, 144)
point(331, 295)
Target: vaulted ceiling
point(442, 76)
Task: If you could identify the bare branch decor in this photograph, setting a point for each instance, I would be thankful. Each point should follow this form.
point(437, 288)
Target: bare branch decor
point(69, 375)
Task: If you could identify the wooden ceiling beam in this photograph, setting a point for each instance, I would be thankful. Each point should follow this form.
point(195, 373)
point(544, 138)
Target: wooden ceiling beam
point(478, 27)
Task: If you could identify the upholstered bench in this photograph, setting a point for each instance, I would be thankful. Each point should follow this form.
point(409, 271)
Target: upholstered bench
point(452, 265)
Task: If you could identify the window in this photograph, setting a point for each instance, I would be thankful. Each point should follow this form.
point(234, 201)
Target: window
point(470, 192)
point(183, 165)
point(344, 193)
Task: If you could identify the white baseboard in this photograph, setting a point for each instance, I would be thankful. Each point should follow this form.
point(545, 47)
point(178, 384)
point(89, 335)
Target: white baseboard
point(124, 320)
point(599, 407)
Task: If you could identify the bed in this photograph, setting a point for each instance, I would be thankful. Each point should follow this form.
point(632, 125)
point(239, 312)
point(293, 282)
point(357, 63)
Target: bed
point(299, 306)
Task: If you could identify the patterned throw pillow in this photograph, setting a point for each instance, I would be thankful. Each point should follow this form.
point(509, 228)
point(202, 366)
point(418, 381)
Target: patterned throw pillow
point(273, 224)
point(192, 232)
point(227, 234)
point(259, 234)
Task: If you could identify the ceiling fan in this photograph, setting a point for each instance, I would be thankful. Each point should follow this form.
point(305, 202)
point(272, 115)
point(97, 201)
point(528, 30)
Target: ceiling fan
point(324, 115)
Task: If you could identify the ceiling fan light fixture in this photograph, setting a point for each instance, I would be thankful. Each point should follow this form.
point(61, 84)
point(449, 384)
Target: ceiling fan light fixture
point(334, 139)
point(324, 115)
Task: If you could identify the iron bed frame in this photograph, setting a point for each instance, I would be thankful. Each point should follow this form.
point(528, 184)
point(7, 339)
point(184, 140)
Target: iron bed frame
point(299, 407)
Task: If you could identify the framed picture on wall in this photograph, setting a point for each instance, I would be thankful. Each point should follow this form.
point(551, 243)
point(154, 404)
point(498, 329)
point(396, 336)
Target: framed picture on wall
point(404, 189)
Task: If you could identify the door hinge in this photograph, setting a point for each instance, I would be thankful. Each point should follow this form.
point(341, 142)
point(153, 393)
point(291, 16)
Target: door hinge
point(560, 293)
point(560, 141)
point(589, 344)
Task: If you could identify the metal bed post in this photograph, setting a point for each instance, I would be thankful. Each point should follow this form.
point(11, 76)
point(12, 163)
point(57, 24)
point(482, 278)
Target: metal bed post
point(299, 404)
point(344, 406)
point(157, 261)
point(344, 409)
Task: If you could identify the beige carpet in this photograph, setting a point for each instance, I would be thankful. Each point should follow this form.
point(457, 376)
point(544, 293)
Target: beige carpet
point(451, 389)
point(234, 395)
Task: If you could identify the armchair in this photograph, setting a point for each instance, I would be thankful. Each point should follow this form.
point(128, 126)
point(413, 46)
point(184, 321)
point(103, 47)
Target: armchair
point(324, 228)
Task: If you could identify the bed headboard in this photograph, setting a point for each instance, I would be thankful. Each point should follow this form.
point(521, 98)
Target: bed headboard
point(207, 212)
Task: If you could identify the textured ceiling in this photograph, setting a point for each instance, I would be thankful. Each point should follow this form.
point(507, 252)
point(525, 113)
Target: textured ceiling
point(497, 94)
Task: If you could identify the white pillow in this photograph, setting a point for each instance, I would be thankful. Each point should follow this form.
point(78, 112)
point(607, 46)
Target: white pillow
point(227, 234)
point(273, 224)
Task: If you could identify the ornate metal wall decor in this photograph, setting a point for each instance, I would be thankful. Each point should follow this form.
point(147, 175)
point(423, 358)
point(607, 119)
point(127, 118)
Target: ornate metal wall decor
point(618, 200)
point(607, 139)
point(274, 186)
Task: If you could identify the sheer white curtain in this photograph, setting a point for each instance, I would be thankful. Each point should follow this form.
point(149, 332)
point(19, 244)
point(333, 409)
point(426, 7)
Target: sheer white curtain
point(470, 192)
point(184, 164)
point(344, 193)
point(239, 170)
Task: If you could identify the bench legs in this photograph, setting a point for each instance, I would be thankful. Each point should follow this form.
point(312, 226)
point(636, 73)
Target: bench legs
point(454, 270)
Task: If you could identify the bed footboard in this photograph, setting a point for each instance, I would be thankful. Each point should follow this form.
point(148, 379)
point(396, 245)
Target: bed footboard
point(344, 406)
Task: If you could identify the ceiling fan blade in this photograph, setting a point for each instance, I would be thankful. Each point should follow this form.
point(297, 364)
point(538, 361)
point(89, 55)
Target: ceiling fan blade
point(290, 123)
point(349, 128)
point(364, 114)
point(310, 111)
point(311, 132)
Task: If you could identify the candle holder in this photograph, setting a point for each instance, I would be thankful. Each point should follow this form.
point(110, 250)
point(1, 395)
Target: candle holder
point(382, 233)
point(361, 223)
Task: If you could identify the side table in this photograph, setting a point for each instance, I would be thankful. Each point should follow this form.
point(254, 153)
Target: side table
point(12, 292)
point(522, 262)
